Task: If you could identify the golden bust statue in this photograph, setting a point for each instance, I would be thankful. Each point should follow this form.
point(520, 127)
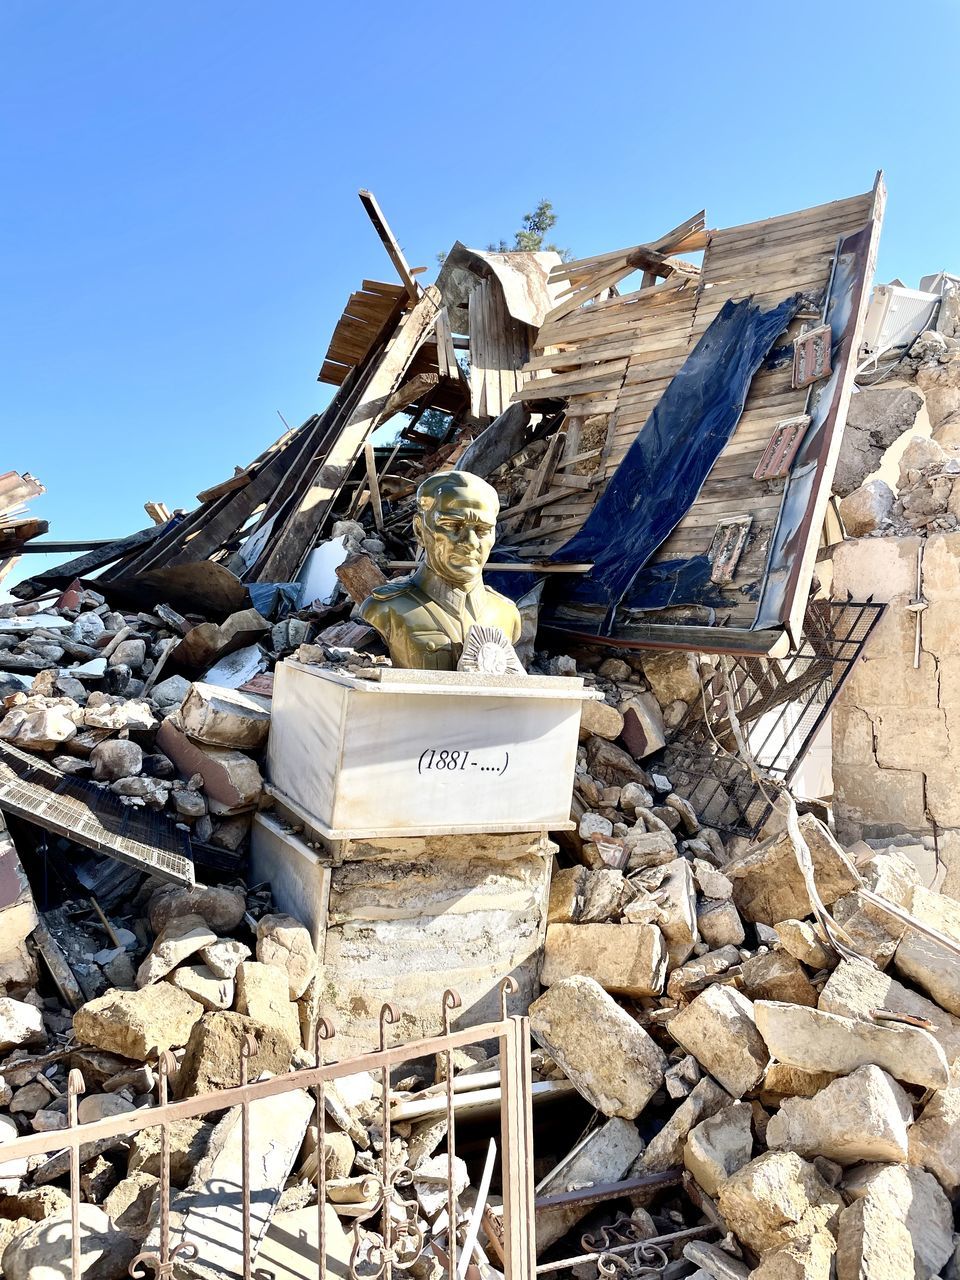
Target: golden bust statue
point(425, 617)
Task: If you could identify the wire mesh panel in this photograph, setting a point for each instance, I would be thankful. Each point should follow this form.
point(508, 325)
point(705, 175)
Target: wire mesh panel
point(780, 704)
point(93, 816)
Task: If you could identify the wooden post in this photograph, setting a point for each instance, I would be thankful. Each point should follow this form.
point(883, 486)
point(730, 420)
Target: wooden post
point(519, 1221)
point(382, 227)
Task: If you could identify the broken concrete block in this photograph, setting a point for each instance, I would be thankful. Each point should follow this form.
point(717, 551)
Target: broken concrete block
point(820, 1041)
point(863, 1116)
point(179, 939)
point(138, 1024)
point(809, 1258)
point(626, 959)
point(719, 1029)
point(44, 1249)
point(187, 1140)
point(720, 1145)
point(263, 994)
point(223, 717)
point(806, 942)
point(230, 778)
point(116, 758)
point(603, 1156)
point(719, 923)
point(220, 906)
point(914, 1196)
point(210, 1208)
point(872, 1242)
point(777, 976)
point(212, 1057)
point(643, 731)
point(20, 1024)
point(775, 1199)
point(768, 885)
point(204, 986)
point(673, 675)
point(224, 956)
point(598, 1046)
point(855, 990)
point(285, 943)
point(600, 719)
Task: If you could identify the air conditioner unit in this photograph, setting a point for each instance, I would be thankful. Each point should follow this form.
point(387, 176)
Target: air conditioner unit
point(896, 316)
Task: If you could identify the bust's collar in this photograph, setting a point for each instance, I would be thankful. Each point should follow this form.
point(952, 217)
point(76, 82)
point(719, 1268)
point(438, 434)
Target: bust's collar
point(442, 593)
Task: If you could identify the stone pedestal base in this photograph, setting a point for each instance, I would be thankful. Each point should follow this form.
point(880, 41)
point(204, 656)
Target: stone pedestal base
point(402, 919)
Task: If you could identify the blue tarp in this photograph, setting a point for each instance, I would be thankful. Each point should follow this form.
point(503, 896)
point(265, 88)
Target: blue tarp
point(665, 467)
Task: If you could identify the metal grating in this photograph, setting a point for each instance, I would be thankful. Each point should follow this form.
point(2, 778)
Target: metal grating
point(780, 704)
point(93, 816)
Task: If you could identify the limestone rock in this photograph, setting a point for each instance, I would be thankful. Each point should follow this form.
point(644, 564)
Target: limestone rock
point(212, 1057)
point(874, 933)
point(116, 758)
point(285, 943)
point(36, 726)
point(665, 1148)
point(204, 986)
point(863, 1116)
point(775, 1199)
point(594, 826)
point(807, 943)
point(781, 1081)
point(643, 730)
point(719, 1146)
point(854, 990)
point(231, 779)
point(677, 916)
point(263, 994)
point(867, 509)
point(872, 1242)
point(820, 1041)
point(649, 848)
point(605, 1156)
point(223, 717)
point(693, 977)
point(97, 1106)
point(43, 1251)
point(598, 1046)
point(581, 896)
point(719, 1029)
point(179, 939)
point(224, 956)
point(672, 676)
point(809, 1258)
point(714, 1263)
point(719, 923)
point(128, 1205)
point(931, 966)
point(626, 959)
point(137, 1024)
point(611, 765)
point(20, 1024)
point(221, 907)
point(916, 1197)
point(777, 976)
point(600, 719)
point(188, 1141)
point(713, 883)
point(768, 885)
point(877, 416)
point(935, 1138)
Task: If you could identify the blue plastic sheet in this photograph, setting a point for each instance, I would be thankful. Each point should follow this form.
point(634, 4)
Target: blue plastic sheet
point(665, 467)
point(275, 599)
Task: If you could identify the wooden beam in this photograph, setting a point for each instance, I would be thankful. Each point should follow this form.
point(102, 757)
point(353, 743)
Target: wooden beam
point(373, 484)
point(389, 240)
point(63, 574)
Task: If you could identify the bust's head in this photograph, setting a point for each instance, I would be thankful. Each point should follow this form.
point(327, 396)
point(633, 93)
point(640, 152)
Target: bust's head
point(455, 523)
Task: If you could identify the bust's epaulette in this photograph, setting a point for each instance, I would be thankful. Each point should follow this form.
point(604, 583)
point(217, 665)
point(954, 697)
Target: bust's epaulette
point(387, 590)
point(506, 599)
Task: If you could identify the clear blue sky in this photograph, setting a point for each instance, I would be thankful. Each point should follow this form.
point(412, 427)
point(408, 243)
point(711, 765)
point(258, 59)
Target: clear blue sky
point(179, 226)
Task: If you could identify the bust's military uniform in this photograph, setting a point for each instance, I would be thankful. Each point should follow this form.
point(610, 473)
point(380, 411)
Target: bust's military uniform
point(424, 620)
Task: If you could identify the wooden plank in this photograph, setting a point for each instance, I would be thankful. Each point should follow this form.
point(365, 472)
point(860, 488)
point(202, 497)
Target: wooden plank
point(373, 484)
point(602, 377)
point(389, 241)
point(300, 531)
point(409, 391)
point(62, 575)
point(236, 481)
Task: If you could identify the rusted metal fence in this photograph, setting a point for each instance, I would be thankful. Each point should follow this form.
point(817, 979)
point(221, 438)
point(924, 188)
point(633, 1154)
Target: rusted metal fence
point(402, 1239)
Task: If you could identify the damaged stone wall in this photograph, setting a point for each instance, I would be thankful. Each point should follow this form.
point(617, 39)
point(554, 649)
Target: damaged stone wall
point(896, 724)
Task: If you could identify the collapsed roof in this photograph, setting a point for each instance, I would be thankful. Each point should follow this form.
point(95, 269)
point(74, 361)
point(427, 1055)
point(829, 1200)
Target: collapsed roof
point(664, 454)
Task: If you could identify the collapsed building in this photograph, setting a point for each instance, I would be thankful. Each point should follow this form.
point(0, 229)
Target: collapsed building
point(727, 519)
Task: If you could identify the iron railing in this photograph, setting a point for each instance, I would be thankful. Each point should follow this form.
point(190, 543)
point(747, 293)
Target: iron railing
point(402, 1238)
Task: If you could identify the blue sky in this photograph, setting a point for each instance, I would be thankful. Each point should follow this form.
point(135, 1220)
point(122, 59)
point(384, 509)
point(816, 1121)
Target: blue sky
point(180, 229)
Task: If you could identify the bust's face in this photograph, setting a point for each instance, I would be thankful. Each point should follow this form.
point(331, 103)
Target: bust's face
point(457, 535)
